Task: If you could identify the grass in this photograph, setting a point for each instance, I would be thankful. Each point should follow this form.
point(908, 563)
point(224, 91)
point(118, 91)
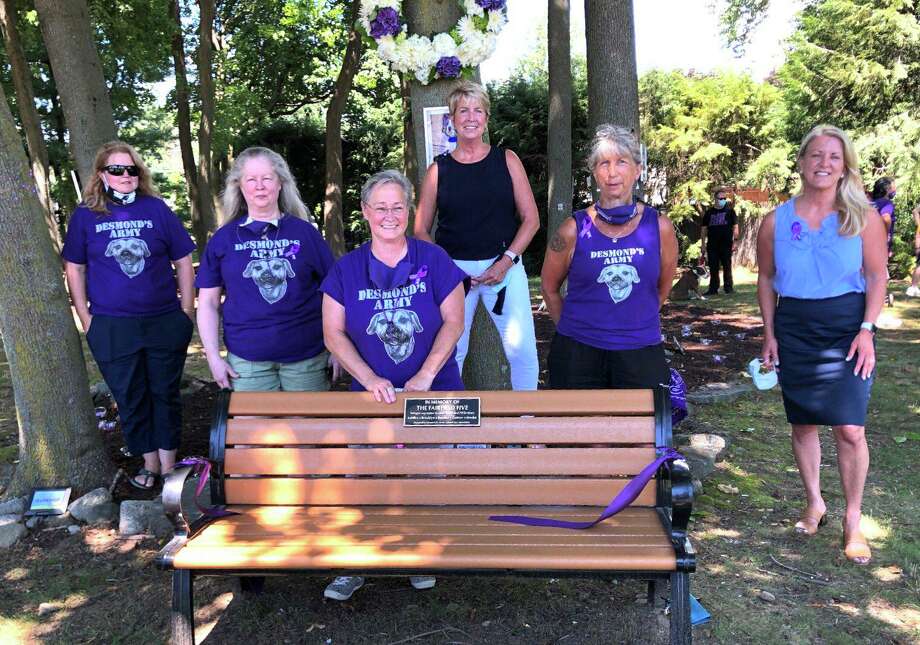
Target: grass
point(102, 589)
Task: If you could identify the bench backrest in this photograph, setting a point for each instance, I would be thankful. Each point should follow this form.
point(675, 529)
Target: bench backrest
point(343, 448)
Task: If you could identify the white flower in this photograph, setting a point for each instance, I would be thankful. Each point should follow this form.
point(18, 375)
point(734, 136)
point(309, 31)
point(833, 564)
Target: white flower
point(444, 45)
point(497, 20)
point(472, 8)
point(386, 48)
point(466, 28)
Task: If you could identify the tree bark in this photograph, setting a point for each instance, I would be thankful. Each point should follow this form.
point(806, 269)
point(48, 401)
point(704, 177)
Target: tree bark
point(613, 84)
point(333, 222)
point(77, 70)
point(559, 126)
point(28, 116)
point(58, 441)
point(486, 367)
point(184, 125)
point(206, 127)
point(410, 156)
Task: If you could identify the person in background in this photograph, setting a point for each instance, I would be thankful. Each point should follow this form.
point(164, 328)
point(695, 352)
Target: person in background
point(821, 287)
point(487, 217)
point(122, 245)
point(914, 289)
point(718, 234)
point(269, 260)
point(619, 257)
point(882, 193)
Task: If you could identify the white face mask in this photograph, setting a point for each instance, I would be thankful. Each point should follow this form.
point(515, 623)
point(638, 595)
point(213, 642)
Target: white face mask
point(117, 197)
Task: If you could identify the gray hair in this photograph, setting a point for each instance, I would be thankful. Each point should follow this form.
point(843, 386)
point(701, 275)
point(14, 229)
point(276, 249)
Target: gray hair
point(388, 177)
point(612, 138)
point(470, 91)
point(289, 200)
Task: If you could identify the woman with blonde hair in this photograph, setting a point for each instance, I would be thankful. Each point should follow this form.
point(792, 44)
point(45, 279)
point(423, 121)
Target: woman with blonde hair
point(821, 286)
point(122, 245)
point(269, 260)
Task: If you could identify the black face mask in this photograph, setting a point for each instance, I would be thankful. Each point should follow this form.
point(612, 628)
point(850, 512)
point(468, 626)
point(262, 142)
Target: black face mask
point(122, 199)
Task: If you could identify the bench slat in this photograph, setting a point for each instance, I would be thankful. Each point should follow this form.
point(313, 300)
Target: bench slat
point(493, 403)
point(485, 490)
point(495, 430)
point(437, 461)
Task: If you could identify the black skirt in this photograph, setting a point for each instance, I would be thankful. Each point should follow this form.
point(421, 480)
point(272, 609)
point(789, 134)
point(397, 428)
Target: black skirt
point(814, 337)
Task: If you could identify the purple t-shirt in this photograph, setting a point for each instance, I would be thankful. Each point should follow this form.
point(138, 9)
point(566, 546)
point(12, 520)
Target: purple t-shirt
point(271, 276)
point(612, 300)
point(885, 206)
point(394, 329)
point(128, 255)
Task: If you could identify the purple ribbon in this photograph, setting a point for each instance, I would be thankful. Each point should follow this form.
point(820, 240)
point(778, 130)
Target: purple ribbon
point(626, 497)
point(678, 390)
point(202, 467)
point(421, 273)
point(796, 231)
point(291, 251)
point(585, 228)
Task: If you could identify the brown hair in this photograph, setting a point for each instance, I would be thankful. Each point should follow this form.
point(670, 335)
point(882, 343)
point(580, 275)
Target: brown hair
point(94, 196)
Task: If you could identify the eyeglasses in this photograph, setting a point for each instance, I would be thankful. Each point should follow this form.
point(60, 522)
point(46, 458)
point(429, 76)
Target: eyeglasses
point(118, 170)
point(382, 211)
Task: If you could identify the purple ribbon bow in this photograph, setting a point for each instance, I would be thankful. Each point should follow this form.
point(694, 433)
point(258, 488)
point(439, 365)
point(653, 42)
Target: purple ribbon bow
point(678, 390)
point(585, 228)
point(202, 468)
point(796, 231)
point(418, 275)
point(291, 251)
point(626, 497)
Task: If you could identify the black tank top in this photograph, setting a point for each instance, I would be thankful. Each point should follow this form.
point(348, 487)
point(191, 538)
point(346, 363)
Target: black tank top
point(476, 213)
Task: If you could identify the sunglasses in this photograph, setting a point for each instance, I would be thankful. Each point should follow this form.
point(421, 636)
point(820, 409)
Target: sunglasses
point(118, 170)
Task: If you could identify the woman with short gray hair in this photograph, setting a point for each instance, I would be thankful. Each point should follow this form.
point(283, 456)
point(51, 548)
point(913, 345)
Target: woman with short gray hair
point(619, 257)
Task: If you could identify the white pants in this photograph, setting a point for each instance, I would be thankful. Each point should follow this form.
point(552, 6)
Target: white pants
point(515, 324)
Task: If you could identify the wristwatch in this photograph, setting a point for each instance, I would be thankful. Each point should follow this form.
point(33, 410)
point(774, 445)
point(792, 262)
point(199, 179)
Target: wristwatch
point(870, 327)
point(511, 255)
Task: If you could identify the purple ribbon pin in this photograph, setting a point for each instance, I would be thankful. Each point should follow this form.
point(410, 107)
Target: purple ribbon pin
point(421, 273)
point(291, 251)
point(626, 497)
point(796, 231)
point(202, 468)
point(585, 228)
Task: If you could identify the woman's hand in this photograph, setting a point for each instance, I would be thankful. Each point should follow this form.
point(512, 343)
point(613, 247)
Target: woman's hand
point(85, 321)
point(190, 312)
point(863, 349)
point(221, 371)
point(419, 383)
point(335, 366)
point(382, 388)
point(770, 353)
point(495, 273)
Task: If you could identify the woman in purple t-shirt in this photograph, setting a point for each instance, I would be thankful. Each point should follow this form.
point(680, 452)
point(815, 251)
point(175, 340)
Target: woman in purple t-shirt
point(269, 260)
point(619, 257)
point(121, 247)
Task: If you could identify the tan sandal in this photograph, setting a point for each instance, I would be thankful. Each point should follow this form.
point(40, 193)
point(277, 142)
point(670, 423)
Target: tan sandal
point(808, 524)
point(856, 548)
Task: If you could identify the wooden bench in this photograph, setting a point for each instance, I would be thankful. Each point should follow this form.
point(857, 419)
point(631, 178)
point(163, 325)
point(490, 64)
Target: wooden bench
point(321, 487)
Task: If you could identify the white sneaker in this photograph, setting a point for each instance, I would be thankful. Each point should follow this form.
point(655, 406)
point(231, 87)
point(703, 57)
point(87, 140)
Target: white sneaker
point(913, 292)
point(422, 582)
point(343, 587)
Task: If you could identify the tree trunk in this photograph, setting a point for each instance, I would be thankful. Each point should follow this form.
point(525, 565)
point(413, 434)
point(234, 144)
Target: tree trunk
point(58, 440)
point(77, 70)
point(206, 127)
point(410, 156)
point(613, 84)
point(486, 367)
point(559, 126)
point(184, 125)
point(333, 223)
point(28, 116)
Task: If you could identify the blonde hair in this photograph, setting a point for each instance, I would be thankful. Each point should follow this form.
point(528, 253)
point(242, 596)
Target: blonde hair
point(468, 90)
point(851, 203)
point(289, 200)
point(94, 196)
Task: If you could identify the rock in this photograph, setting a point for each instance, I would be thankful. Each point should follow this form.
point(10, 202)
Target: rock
point(697, 488)
point(33, 522)
point(710, 445)
point(46, 608)
point(10, 531)
point(766, 596)
point(728, 489)
point(718, 392)
point(15, 506)
point(143, 516)
point(701, 466)
point(94, 507)
point(55, 521)
point(73, 529)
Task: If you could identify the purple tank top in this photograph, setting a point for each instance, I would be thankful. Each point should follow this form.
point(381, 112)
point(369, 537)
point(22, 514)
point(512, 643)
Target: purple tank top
point(612, 300)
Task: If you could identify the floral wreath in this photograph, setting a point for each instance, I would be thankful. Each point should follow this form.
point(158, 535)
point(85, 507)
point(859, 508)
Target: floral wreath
point(447, 55)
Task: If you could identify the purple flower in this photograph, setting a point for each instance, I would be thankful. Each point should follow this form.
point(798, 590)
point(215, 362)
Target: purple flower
point(491, 5)
point(448, 67)
point(386, 23)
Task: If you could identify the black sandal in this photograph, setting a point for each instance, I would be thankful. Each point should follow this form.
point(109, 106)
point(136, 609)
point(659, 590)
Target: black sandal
point(150, 479)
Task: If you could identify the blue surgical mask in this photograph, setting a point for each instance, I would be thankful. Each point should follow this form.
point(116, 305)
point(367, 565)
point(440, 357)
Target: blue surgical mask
point(722, 203)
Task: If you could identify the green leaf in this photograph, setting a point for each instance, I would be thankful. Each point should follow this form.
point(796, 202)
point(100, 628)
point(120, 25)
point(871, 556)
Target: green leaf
point(900, 439)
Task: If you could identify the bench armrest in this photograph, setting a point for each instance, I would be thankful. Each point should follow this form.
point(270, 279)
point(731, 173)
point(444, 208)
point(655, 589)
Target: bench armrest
point(172, 498)
point(678, 472)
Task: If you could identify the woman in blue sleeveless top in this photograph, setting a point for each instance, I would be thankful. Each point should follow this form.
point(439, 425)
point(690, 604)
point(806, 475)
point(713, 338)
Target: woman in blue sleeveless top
point(821, 286)
point(619, 257)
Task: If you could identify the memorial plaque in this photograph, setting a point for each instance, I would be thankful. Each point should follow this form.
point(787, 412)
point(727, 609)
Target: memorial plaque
point(49, 501)
point(441, 412)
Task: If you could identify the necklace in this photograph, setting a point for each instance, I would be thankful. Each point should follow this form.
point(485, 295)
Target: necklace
point(261, 233)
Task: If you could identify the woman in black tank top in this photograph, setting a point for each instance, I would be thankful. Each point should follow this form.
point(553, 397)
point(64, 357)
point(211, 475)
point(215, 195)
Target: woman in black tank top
point(486, 218)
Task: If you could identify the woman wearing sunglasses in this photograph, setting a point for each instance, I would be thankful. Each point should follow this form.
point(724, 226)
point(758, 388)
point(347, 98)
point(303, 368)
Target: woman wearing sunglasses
point(123, 253)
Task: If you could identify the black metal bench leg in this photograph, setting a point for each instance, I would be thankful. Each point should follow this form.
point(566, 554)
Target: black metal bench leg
point(652, 588)
point(182, 621)
point(680, 609)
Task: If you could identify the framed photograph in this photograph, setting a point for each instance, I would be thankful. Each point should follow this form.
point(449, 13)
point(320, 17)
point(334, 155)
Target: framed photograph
point(48, 501)
point(440, 136)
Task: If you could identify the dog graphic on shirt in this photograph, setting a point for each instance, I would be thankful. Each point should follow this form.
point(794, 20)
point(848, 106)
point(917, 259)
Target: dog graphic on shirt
point(129, 252)
point(396, 329)
point(270, 276)
point(619, 279)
